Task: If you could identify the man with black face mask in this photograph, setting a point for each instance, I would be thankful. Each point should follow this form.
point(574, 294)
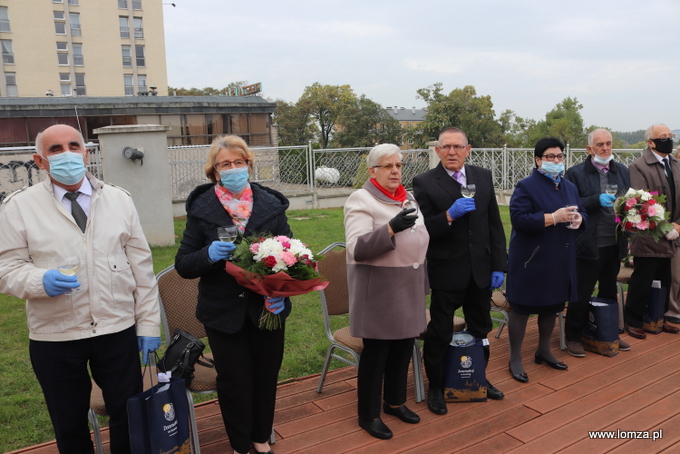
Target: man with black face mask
point(656, 170)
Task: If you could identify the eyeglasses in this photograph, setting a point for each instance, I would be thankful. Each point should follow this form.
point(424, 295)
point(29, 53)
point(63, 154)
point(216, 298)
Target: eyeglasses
point(553, 157)
point(663, 139)
point(228, 164)
point(457, 148)
point(389, 166)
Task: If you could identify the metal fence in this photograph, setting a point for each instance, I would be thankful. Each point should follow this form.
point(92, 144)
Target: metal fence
point(299, 170)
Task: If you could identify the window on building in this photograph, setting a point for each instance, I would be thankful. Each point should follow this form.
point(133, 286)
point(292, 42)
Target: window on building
point(66, 89)
point(59, 23)
point(7, 51)
point(57, 1)
point(74, 19)
point(139, 54)
point(139, 28)
point(62, 58)
point(124, 23)
point(64, 77)
point(122, 4)
point(4, 19)
point(129, 87)
point(63, 47)
point(80, 84)
point(78, 59)
point(137, 4)
point(73, 2)
point(127, 56)
point(141, 84)
point(11, 82)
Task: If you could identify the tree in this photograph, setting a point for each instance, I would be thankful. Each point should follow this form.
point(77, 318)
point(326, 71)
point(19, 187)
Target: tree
point(325, 104)
point(564, 122)
point(207, 91)
point(516, 129)
point(365, 123)
point(295, 127)
point(461, 108)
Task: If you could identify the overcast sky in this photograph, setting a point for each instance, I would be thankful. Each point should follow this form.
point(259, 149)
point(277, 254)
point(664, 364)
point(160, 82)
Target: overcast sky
point(619, 58)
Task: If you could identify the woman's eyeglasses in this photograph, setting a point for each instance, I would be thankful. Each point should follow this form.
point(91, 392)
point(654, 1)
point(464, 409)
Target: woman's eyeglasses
point(553, 157)
point(223, 165)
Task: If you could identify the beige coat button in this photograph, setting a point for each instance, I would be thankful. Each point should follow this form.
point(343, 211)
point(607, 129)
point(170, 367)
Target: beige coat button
point(416, 266)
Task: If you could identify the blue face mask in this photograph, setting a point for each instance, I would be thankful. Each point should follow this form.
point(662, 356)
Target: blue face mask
point(552, 168)
point(234, 180)
point(67, 168)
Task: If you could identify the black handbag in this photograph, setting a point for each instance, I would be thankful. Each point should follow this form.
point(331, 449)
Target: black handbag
point(182, 355)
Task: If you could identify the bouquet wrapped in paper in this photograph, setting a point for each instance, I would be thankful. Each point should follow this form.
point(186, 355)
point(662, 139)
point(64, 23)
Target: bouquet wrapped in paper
point(274, 267)
point(642, 213)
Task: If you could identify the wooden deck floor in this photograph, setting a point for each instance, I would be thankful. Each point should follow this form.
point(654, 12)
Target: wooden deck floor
point(554, 412)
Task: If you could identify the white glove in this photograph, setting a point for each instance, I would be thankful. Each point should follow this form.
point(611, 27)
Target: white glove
point(576, 221)
point(564, 215)
point(672, 235)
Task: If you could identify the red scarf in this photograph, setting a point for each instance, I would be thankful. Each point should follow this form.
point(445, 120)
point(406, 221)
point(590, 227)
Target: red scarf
point(399, 194)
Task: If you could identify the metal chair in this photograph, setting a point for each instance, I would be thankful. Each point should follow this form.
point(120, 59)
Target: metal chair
point(500, 305)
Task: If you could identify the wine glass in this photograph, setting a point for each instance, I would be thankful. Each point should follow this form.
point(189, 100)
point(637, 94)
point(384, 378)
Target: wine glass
point(572, 216)
point(227, 234)
point(411, 204)
point(611, 189)
point(69, 267)
point(468, 191)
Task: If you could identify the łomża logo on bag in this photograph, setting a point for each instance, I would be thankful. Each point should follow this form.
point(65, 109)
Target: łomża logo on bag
point(169, 412)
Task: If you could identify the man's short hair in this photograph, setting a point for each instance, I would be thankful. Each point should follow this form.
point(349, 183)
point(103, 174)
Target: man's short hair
point(451, 129)
point(591, 135)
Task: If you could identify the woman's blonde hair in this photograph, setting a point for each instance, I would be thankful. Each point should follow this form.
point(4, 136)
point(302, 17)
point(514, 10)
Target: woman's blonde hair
point(231, 143)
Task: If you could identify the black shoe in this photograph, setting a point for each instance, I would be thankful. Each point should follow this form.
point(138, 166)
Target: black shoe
point(376, 428)
point(402, 413)
point(435, 401)
point(522, 378)
point(492, 392)
point(671, 319)
point(559, 365)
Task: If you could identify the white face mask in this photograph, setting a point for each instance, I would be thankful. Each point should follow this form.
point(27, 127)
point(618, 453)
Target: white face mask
point(602, 161)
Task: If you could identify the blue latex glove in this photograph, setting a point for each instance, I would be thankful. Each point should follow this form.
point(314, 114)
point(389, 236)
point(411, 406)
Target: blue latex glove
point(497, 278)
point(56, 283)
point(220, 250)
point(607, 200)
point(275, 304)
point(461, 207)
point(146, 345)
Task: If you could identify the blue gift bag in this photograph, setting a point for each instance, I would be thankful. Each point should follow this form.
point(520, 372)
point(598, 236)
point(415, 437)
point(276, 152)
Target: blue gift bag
point(601, 333)
point(465, 369)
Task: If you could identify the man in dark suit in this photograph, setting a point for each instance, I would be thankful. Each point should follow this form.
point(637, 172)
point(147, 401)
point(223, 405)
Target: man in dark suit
point(466, 257)
point(656, 170)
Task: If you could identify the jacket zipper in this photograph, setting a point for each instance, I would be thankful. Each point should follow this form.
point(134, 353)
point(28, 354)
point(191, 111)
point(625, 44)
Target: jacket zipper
point(531, 256)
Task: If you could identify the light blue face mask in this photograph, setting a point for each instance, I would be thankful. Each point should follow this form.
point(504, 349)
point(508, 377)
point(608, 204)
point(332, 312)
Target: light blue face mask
point(67, 168)
point(234, 180)
point(552, 168)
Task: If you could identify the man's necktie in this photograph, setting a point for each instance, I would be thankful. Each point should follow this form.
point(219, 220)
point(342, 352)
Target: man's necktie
point(671, 181)
point(76, 210)
point(457, 176)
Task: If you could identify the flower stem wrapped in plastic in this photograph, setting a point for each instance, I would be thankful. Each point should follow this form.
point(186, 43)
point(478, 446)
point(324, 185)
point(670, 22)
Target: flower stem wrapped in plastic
point(642, 213)
point(275, 266)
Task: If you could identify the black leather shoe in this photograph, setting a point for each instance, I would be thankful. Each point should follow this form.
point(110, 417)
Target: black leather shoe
point(376, 428)
point(635, 332)
point(522, 378)
point(492, 392)
point(670, 329)
point(559, 365)
point(402, 413)
point(435, 401)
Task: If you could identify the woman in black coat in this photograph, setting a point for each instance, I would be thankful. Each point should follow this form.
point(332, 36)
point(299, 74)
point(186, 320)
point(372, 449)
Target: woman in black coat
point(247, 358)
point(545, 210)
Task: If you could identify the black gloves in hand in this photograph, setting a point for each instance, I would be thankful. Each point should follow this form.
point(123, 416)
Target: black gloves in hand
point(403, 220)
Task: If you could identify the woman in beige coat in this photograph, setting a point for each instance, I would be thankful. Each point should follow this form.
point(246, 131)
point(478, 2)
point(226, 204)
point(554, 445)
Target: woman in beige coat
point(387, 280)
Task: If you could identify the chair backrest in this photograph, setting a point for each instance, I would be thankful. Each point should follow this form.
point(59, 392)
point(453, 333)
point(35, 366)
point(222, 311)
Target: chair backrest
point(178, 298)
point(333, 267)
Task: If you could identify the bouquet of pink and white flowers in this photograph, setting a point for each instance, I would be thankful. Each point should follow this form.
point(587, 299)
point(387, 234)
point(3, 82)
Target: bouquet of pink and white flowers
point(275, 266)
point(642, 213)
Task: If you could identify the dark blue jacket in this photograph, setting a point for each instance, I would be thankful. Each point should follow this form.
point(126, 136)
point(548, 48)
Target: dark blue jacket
point(542, 260)
point(587, 179)
point(222, 303)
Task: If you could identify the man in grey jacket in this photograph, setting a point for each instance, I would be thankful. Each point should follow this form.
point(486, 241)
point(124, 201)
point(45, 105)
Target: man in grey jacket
point(656, 170)
point(599, 248)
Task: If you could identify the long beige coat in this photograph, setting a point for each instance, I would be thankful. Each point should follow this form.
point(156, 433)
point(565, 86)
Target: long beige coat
point(387, 277)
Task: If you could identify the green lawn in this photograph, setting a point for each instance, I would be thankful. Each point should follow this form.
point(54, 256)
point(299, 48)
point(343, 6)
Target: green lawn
point(23, 416)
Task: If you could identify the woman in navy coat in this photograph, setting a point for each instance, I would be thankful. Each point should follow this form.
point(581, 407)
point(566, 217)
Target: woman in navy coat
point(545, 211)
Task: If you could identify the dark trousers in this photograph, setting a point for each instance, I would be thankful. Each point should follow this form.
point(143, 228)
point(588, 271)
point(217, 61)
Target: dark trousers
point(589, 272)
point(382, 360)
point(647, 269)
point(476, 304)
point(62, 370)
point(247, 364)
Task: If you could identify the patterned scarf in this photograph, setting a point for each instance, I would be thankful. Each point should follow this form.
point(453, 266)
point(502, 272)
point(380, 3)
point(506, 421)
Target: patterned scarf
point(239, 210)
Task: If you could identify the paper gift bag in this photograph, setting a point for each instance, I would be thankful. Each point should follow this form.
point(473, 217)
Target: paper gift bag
point(656, 306)
point(464, 369)
point(601, 333)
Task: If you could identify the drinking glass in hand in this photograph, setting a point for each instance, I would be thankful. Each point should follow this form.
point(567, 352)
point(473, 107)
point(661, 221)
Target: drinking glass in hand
point(227, 234)
point(468, 191)
point(574, 212)
point(411, 204)
point(70, 267)
point(611, 189)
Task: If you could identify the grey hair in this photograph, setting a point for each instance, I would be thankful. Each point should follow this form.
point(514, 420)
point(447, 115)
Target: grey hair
point(650, 131)
point(39, 148)
point(381, 151)
point(591, 135)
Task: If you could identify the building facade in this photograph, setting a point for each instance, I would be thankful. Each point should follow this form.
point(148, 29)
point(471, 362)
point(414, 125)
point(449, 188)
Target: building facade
point(68, 48)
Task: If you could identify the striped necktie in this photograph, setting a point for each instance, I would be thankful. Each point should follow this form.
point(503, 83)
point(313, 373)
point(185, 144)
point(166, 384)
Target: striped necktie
point(76, 210)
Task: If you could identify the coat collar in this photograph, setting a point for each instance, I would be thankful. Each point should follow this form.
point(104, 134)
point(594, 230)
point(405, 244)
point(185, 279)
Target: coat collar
point(590, 167)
